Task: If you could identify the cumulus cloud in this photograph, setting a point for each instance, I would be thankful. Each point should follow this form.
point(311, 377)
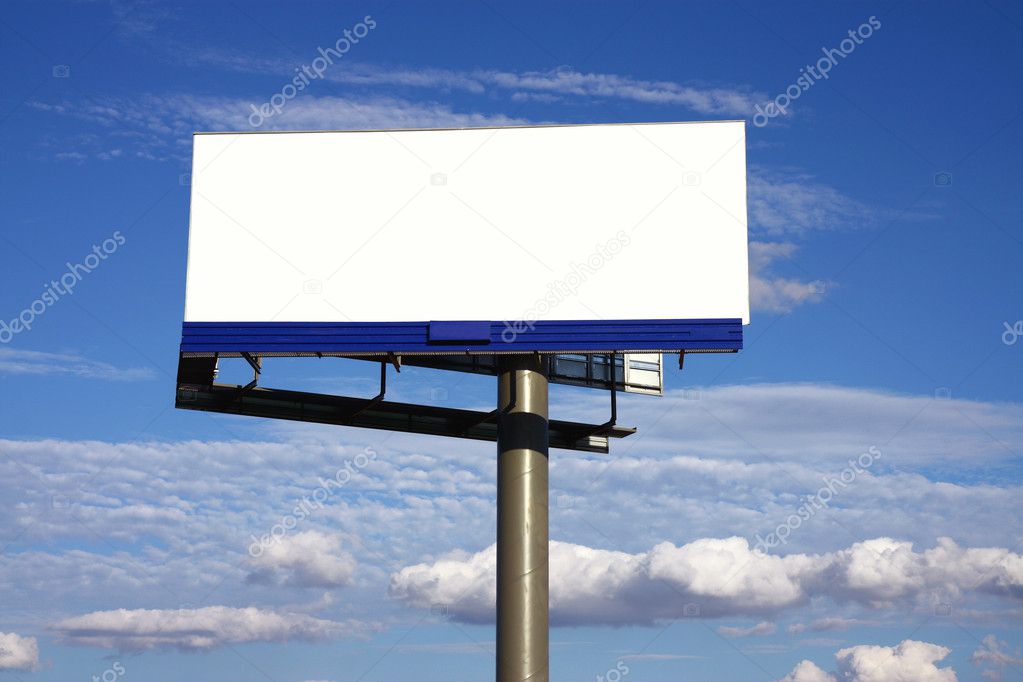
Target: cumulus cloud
point(715, 577)
point(806, 671)
point(17, 652)
point(462, 582)
point(910, 661)
point(14, 361)
point(197, 629)
point(758, 630)
point(308, 559)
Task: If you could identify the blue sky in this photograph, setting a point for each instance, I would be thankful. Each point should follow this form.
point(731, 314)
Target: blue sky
point(885, 273)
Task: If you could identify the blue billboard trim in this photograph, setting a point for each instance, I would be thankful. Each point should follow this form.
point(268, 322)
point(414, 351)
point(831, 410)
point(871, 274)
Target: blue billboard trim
point(448, 332)
point(562, 336)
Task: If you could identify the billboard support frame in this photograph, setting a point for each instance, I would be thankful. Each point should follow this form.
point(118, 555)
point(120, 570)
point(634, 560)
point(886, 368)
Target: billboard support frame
point(197, 390)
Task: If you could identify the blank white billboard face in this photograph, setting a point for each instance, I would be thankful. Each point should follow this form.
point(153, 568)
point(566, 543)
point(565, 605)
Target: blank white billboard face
point(601, 222)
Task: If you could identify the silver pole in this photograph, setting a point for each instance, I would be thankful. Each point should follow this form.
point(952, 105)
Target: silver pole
point(522, 538)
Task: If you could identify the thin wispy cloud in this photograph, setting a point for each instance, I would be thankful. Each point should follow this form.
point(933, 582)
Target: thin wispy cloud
point(660, 657)
point(160, 127)
point(788, 203)
point(761, 629)
point(139, 20)
point(785, 206)
point(833, 624)
point(551, 85)
point(198, 629)
point(460, 648)
point(771, 292)
point(30, 362)
point(996, 658)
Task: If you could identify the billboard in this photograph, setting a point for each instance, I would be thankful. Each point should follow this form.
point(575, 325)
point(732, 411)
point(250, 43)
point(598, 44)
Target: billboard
point(577, 238)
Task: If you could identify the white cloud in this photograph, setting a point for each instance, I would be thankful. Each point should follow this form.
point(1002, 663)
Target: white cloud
point(760, 629)
point(771, 292)
point(660, 657)
point(443, 80)
point(745, 420)
point(334, 113)
point(462, 584)
point(197, 629)
point(910, 661)
point(782, 202)
point(17, 652)
point(160, 524)
point(806, 671)
point(13, 361)
point(307, 559)
point(139, 20)
point(476, 647)
point(715, 577)
point(995, 656)
point(787, 201)
point(160, 126)
point(549, 85)
point(564, 81)
point(833, 624)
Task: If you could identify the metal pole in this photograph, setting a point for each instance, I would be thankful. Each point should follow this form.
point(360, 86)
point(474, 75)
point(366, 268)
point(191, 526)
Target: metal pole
point(522, 539)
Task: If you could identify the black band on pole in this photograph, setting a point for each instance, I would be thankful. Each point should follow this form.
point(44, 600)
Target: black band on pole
point(523, 430)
